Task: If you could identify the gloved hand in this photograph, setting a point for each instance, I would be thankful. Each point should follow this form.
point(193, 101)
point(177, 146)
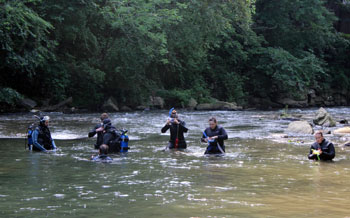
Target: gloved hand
point(315, 152)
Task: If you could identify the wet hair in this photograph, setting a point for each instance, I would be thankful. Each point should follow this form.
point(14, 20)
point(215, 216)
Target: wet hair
point(104, 149)
point(212, 119)
point(104, 116)
point(319, 133)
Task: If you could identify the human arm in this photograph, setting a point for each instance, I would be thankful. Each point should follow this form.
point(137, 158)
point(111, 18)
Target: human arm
point(204, 137)
point(222, 135)
point(93, 132)
point(330, 154)
point(313, 152)
point(182, 126)
point(35, 141)
point(165, 128)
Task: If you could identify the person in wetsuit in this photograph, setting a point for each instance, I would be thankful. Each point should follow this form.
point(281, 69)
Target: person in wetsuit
point(98, 129)
point(42, 140)
point(177, 129)
point(111, 137)
point(321, 149)
point(214, 135)
point(102, 156)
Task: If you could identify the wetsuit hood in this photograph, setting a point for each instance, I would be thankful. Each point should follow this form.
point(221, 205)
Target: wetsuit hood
point(107, 123)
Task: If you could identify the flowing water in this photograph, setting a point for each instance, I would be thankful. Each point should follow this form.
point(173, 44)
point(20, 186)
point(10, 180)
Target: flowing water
point(262, 174)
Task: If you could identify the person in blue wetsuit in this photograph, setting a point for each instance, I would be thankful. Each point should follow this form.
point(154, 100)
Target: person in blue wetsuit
point(98, 129)
point(42, 140)
point(177, 129)
point(321, 149)
point(214, 135)
point(102, 157)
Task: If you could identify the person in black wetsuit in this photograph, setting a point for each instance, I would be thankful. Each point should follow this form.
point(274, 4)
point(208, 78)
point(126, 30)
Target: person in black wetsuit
point(177, 129)
point(321, 149)
point(42, 140)
point(111, 137)
point(102, 157)
point(214, 136)
point(98, 129)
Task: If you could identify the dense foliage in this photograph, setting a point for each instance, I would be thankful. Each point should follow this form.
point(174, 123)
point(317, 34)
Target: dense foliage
point(201, 49)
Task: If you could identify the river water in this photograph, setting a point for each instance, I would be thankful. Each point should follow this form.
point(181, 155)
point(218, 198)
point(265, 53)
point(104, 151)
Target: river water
point(262, 174)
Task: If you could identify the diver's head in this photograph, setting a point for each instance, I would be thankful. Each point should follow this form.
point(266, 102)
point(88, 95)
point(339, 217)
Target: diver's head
point(213, 123)
point(319, 137)
point(44, 121)
point(107, 123)
point(174, 114)
point(103, 149)
point(104, 116)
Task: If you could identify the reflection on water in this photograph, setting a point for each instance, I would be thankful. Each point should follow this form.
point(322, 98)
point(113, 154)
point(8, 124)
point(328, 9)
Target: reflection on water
point(259, 177)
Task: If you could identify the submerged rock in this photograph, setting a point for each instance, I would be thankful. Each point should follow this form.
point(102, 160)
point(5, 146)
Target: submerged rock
point(302, 127)
point(323, 118)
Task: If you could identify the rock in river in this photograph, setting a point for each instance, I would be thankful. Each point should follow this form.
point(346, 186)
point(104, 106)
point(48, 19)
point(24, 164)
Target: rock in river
point(219, 105)
point(323, 118)
point(302, 127)
point(110, 105)
point(342, 131)
point(28, 103)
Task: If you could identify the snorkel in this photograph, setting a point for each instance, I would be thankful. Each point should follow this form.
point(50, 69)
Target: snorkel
point(206, 136)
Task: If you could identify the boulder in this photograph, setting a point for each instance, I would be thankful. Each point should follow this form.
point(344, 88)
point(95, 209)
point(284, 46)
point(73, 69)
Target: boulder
point(28, 103)
point(156, 102)
point(263, 103)
point(141, 108)
point(110, 105)
point(58, 106)
point(346, 144)
point(192, 103)
point(323, 118)
point(343, 121)
point(302, 127)
point(292, 103)
point(125, 108)
point(71, 110)
point(219, 105)
point(342, 131)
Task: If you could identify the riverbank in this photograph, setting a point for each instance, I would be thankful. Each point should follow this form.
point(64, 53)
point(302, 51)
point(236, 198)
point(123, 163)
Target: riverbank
point(155, 103)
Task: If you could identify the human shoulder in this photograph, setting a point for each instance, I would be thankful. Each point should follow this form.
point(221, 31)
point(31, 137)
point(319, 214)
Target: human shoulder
point(328, 143)
point(98, 125)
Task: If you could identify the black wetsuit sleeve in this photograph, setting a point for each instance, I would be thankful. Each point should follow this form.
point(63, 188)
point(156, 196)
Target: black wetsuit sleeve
point(330, 154)
point(223, 135)
point(165, 128)
point(183, 126)
point(93, 132)
point(311, 156)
